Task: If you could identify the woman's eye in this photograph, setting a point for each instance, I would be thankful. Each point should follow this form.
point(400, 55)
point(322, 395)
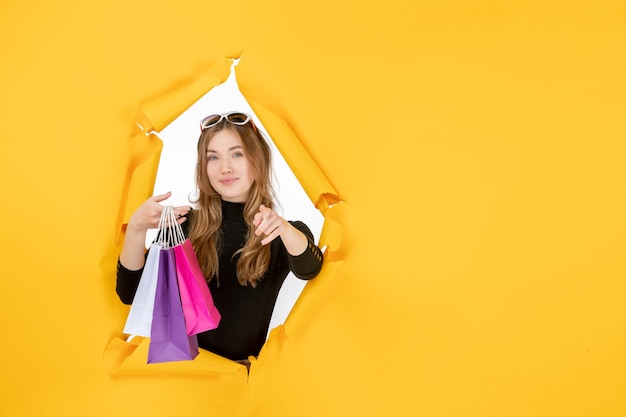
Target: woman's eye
point(211, 157)
point(237, 155)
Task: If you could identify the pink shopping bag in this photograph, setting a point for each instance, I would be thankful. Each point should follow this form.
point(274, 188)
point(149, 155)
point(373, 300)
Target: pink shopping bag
point(198, 308)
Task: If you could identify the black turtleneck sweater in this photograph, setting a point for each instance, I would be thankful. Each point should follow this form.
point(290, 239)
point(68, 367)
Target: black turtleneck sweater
point(246, 311)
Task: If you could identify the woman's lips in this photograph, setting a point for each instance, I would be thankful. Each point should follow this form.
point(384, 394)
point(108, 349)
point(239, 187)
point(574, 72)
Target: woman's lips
point(228, 181)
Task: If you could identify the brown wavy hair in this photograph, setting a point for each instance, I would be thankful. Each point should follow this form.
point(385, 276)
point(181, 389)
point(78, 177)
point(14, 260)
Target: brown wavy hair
point(204, 230)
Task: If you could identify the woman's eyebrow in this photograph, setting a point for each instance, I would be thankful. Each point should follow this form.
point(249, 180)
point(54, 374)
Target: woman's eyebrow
point(230, 149)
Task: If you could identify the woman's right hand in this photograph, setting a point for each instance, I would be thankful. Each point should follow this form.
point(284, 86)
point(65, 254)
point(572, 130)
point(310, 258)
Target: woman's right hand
point(148, 214)
point(146, 217)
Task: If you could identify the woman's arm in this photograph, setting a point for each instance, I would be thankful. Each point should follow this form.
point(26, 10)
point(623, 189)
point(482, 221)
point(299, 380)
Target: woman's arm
point(305, 257)
point(133, 255)
point(308, 264)
point(270, 224)
point(146, 217)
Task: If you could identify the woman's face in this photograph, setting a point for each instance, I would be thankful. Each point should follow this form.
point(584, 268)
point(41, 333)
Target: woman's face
point(228, 167)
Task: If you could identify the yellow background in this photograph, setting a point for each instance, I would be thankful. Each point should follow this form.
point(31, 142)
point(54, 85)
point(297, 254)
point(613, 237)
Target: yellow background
point(478, 148)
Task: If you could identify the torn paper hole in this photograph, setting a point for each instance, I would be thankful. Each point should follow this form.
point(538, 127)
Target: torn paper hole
point(176, 173)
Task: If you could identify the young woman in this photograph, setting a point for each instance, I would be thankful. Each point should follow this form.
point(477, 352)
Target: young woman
point(244, 248)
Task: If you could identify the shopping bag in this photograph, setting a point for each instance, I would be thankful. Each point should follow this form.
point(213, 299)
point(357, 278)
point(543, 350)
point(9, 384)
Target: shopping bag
point(139, 320)
point(169, 341)
point(200, 313)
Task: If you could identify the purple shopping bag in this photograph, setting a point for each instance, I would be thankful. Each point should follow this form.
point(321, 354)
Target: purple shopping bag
point(169, 341)
point(198, 308)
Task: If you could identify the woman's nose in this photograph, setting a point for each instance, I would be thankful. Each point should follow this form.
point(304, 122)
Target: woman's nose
point(226, 166)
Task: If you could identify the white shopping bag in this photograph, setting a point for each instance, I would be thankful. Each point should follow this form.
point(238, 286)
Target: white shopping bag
point(139, 319)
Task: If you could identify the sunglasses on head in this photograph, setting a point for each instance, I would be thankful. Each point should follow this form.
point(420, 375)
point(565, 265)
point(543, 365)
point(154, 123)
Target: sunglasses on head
point(235, 118)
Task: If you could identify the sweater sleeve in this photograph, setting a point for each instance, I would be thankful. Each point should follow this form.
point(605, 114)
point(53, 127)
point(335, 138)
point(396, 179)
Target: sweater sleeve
point(127, 283)
point(308, 264)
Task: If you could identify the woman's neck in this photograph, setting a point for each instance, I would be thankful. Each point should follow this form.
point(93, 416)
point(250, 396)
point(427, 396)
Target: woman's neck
point(231, 210)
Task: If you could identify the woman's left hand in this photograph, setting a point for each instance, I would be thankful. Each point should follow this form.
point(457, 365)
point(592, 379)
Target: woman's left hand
point(268, 223)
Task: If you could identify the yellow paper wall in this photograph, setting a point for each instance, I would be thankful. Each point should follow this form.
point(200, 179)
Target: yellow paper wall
point(478, 148)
